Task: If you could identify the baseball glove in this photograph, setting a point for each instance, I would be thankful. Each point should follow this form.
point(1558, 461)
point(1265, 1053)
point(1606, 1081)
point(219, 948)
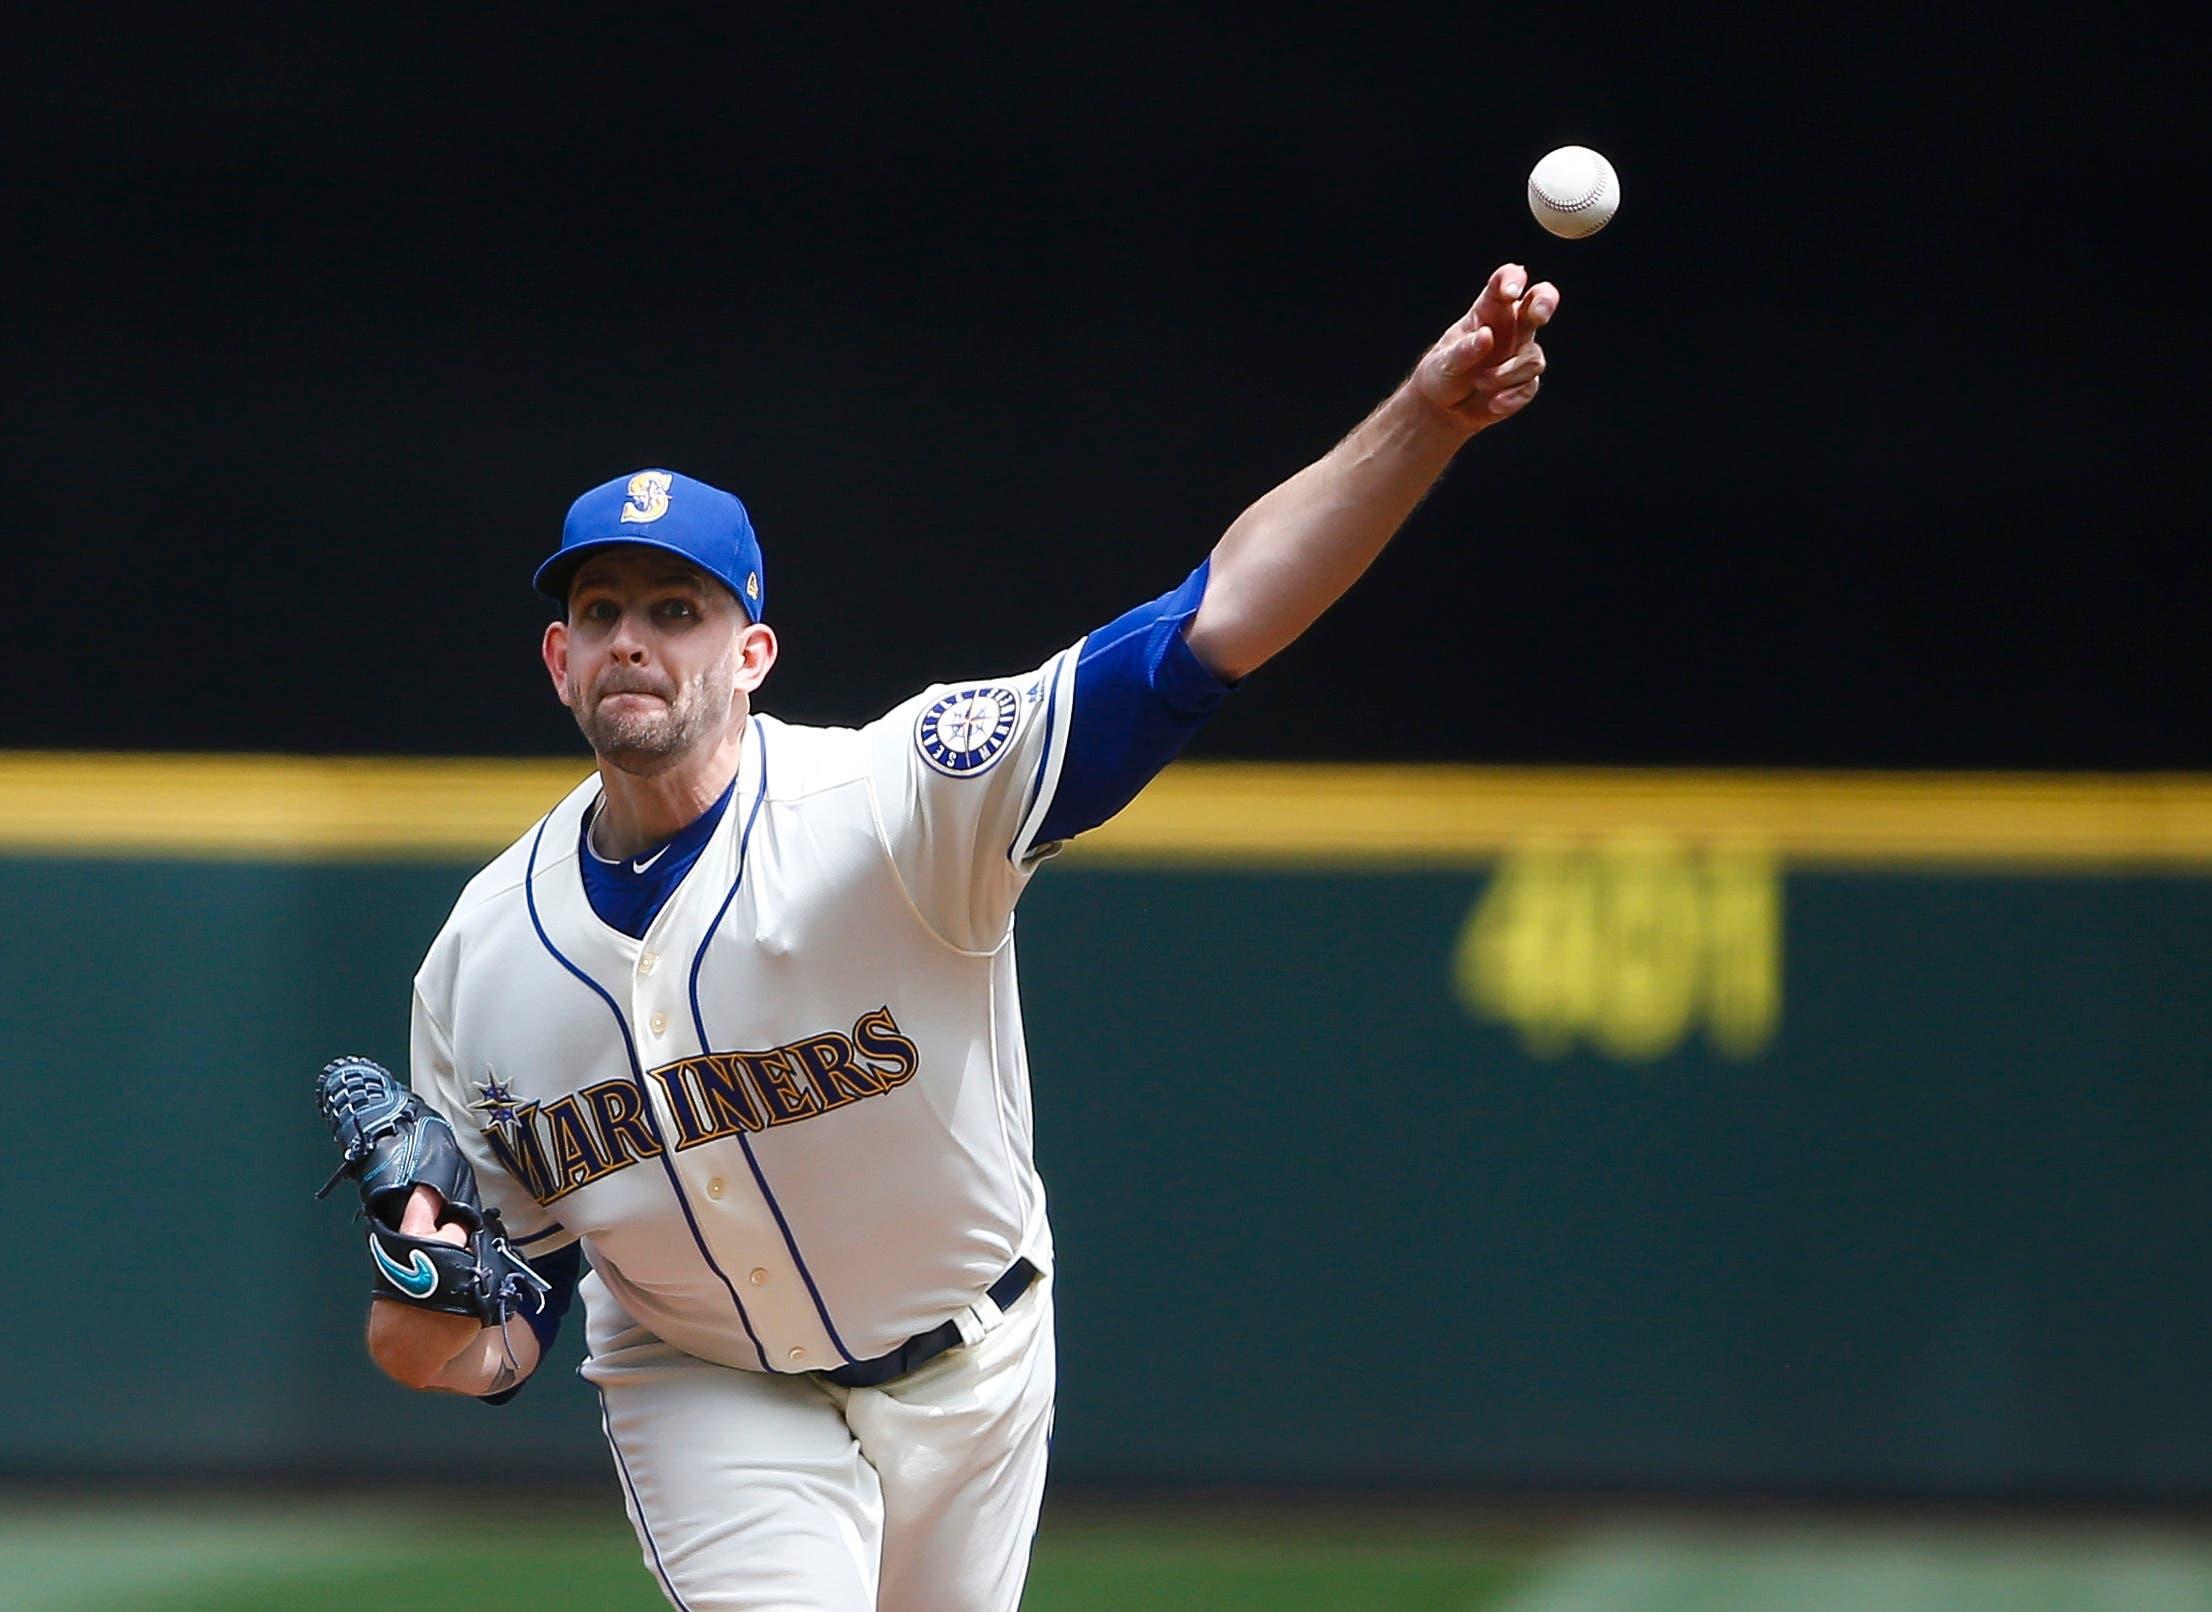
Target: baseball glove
point(393, 1144)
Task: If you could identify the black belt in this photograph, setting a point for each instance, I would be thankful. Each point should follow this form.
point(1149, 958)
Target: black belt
point(919, 1350)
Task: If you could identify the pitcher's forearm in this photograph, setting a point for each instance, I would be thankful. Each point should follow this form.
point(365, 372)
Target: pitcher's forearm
point(411, 1345)
point(1296, 551)
point(496, 1359)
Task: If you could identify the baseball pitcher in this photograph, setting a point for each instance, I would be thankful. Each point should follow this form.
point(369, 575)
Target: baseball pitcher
point(730, 1042)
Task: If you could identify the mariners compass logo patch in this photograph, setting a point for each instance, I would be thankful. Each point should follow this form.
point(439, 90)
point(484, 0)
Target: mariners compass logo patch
point(965, 731)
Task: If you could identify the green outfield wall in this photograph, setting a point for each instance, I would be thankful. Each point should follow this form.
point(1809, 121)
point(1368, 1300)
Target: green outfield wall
point(1705, 1132)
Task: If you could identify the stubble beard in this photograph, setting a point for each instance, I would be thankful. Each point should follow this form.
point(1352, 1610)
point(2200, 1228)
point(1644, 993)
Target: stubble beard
point(649, 741)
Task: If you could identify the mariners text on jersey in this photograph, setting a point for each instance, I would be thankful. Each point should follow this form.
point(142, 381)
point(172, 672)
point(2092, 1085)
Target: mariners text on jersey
point(574, 1140)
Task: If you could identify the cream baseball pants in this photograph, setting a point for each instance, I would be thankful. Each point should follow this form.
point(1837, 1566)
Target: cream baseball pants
point(772, 1493)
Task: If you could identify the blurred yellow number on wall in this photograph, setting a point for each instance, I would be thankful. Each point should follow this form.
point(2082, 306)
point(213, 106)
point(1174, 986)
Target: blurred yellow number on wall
point(1627, 945)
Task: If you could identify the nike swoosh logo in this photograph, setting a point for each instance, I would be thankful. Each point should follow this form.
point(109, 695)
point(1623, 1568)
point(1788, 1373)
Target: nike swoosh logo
point(640, 867)
point(418, 1278)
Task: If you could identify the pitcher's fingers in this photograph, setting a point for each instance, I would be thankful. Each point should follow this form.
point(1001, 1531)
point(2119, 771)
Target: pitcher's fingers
point(420, 1217)
point(1521, 367)
point(1502, 403)
point(1494, 306)
point(1530, 314)
point(1537, 306)
point(1467, 353)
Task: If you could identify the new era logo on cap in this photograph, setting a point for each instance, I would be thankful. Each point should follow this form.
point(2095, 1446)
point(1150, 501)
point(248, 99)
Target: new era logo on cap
point(664, 510)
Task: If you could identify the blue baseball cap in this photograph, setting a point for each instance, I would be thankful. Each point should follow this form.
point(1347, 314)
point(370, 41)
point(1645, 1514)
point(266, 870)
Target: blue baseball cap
point(661, 510)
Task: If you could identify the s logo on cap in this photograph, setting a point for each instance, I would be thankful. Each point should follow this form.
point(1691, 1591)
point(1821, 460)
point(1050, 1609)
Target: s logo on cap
point(648, 497)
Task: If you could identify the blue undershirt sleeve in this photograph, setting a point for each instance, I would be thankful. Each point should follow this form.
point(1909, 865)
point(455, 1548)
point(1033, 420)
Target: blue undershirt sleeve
point(1139, 696)
point(562, 1268)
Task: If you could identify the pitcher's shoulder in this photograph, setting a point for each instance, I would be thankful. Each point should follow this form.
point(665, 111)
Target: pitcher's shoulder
point(800, 761)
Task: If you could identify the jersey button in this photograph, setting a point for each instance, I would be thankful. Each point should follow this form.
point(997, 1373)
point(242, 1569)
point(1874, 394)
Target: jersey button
point(647, 962)
point(658, 1024)
point(714, 1187)
point(759, 1278)
point(797, 1356)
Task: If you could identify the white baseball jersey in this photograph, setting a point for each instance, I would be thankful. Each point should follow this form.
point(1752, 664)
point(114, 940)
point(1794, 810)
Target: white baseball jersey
point(791, 1124)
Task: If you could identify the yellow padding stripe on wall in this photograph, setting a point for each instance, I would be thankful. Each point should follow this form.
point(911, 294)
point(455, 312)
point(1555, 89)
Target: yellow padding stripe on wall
point(271, 806)
point(1260, 814)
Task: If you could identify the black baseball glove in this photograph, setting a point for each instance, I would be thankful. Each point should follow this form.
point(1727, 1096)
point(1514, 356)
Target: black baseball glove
point(393, 1144)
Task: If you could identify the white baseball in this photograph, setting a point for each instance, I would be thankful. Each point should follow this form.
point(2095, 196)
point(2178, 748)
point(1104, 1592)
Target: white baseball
point(1574, 192)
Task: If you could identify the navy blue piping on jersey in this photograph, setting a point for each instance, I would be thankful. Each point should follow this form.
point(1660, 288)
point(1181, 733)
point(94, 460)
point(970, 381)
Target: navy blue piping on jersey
point(699, 1024)
point(637, 1506)
point(1140, 693)
point(1044, 754)
point(645, 1098)
point(538, 1236)
point(629, 901)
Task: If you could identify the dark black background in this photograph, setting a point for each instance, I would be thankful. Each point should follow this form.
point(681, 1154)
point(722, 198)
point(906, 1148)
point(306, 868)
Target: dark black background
point(1871, 437)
